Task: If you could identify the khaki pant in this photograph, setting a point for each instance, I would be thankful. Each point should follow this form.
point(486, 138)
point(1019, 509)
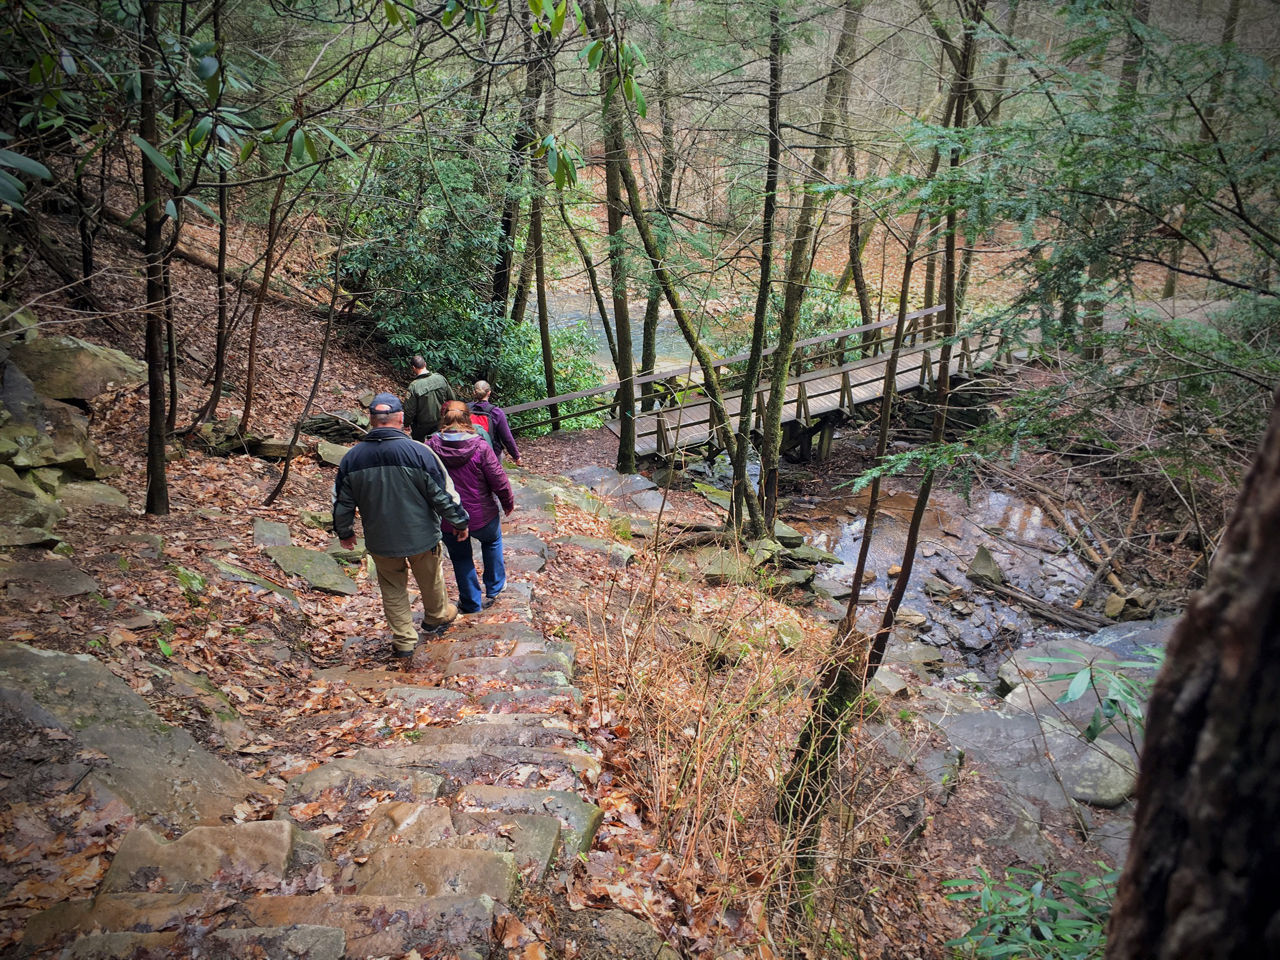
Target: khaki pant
point(393, 582)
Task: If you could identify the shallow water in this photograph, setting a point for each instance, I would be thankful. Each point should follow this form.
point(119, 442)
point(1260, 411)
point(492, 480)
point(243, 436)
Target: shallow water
point(1028, 551)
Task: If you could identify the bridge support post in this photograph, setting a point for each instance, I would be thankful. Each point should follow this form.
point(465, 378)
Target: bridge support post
point(825, 436)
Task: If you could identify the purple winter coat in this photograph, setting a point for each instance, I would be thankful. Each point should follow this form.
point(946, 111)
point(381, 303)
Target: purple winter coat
point(476, 474)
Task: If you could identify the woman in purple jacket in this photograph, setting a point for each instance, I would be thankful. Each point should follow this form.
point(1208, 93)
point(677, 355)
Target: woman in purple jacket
point(479, 479)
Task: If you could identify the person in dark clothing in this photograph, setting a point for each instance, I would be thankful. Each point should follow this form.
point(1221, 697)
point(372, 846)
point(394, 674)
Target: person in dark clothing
point(399, 490)
point(425, 401)
point(482, 485)
point(495, 421)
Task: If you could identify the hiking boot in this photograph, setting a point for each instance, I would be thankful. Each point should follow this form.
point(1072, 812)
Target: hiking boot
point(451, 614)
point(399, 654)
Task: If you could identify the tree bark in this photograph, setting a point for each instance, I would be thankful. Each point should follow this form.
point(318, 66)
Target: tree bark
point(153, 246)
point(1200, 877)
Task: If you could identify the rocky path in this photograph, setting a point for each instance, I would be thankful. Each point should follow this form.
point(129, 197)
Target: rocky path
point(426, 843)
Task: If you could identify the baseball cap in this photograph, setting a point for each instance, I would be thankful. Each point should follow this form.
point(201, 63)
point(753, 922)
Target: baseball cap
point(385, 403)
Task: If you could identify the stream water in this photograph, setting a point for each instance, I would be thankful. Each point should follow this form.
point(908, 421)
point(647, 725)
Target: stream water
point(942, 606)
point(569, 309)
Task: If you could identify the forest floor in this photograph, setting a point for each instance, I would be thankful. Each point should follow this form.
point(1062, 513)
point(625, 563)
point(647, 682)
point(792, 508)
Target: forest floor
point(689, 843)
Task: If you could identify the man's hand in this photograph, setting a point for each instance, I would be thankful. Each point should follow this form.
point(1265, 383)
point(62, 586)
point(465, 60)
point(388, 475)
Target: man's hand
point(348, 542)
point(460, 533)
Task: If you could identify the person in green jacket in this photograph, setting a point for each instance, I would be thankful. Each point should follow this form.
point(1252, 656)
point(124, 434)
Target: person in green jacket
point(427, 394)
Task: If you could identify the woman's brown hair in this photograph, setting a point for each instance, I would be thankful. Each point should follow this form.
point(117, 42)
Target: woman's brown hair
point(456, 420)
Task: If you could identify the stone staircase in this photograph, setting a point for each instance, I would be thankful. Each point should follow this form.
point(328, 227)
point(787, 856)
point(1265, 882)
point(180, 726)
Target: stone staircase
point(422, 844)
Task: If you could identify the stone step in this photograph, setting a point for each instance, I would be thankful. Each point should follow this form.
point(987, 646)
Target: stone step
point(514, 631)
point(531, 663)
point(203, 856)
point(379, 680)
point(123, 912)
point(485, 763)
point(496, 734)
point(352, 779)
point(519, 700)
point(403, 871)
point(579, 819)
point(532, 840)
point(381, 926)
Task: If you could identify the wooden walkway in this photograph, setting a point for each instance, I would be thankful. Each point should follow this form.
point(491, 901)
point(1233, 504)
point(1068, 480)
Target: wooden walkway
point(822, 386)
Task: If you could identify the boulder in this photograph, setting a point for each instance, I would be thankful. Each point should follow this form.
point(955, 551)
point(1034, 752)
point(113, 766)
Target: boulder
point(789, 536)
point(276, 448)
point(984, 568)
point(57, 578)
point(22, 511)
point(67, 368)
point(159, 771)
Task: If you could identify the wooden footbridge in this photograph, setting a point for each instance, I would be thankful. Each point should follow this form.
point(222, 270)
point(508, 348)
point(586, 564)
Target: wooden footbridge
point(830, 376)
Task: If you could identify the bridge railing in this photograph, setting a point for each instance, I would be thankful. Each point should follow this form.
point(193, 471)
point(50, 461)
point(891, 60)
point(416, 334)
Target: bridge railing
point(836, 347)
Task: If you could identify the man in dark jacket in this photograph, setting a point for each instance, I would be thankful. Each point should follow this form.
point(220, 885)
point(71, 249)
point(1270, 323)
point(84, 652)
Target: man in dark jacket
point(398, 487)
point(497, 424)
point(427, 394)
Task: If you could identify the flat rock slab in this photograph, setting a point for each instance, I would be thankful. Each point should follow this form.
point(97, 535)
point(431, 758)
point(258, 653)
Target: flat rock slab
point(241, 575)
point(16, 535)
point(721, 566)
point(352, 780)
point(316, 567)
point(159, 771)
point(524, 564)
point(513, 632)
point(617, 554)
point(1028, 664)
point(592, 474)
point(55, 578)
point(526, 543)
point(579, 819)
point(295, 942)
point(268, 533)
point(380, 926)
point(623, 485)
point(91, 493)
point(617, 935)
point(397, 871)
point(148, 862)
point(112, 946)
point(650, 501)
point(426, 696)
point(509, 666)
point(786, 535)
point(497, 734)
point(534, 500)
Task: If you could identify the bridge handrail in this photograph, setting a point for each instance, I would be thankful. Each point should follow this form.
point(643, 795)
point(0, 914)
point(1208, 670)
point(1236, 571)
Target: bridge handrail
point(723, 362)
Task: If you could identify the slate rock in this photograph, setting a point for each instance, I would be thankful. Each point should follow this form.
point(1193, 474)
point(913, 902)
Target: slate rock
point(276, 448)
point(592, 474)
point(787, 536)
point(984, 568)
point(532, 840)
point(316, 567)
point(617, 935)
point(56, 578)
point(112, 946)
point(239, 574)
point(268, 533)
point(20, 511)
point(353, 778)
point(1027, 664)
point(331, 453)
point(526, 543)
point(810, 555)
point(340, 553)
point(534, 500)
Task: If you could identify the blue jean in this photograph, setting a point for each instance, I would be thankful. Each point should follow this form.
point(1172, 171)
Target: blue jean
point(464, 565)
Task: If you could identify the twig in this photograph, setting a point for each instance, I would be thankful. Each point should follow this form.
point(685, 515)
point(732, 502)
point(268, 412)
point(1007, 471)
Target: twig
point(1070, 530)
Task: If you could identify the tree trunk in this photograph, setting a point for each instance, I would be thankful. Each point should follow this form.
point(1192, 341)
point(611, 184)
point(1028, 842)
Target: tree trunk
point(799, 258)
point(544, 320)
point(593, 279)
point(1200, 877)
point(615, 156)
point(743, 495)
point(153, 245)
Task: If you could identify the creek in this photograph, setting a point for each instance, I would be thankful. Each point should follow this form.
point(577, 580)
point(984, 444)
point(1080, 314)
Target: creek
point(942, 606)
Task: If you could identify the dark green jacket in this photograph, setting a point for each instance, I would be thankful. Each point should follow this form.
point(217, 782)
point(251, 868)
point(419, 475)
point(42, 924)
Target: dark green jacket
point(398, 486)
point(427, 394)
